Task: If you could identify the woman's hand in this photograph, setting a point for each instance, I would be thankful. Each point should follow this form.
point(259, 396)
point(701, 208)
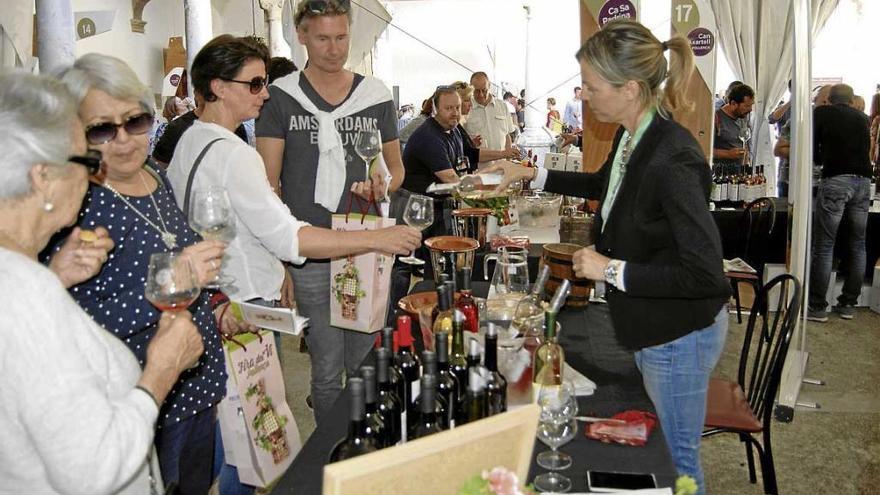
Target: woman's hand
point(206, 258)
point(175, 347)
point(228, 324)
point(510, 173)
point(81, 256)
point(589, 264)
point(399, 239)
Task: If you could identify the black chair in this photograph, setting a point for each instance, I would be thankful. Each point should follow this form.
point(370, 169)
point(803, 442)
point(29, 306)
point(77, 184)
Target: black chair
point(756, 225)
point(745, 407)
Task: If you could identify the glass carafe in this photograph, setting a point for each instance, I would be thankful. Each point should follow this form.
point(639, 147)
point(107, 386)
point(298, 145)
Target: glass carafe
point(510, 281)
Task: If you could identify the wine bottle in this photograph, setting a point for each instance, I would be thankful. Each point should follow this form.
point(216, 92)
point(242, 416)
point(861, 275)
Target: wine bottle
point(466, 303)
point(407, 361)
point(375, 422)
point(389, 403)
point(428, 423)
point(496, 384)
point(473, 354)
point(441, 406)
point(394, 376)
point(444, 311)
point(443, 278)
point(356, 442)
point(458, 363)
point(528, 318)
point(447, 384)
point(475, 400)
point(549, 358)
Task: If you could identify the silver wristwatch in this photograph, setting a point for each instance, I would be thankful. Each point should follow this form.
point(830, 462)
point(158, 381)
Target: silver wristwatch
point(611, 272)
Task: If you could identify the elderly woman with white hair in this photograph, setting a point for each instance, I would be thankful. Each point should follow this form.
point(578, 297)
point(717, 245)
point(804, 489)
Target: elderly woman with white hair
point(137, 205)
point(77, 413)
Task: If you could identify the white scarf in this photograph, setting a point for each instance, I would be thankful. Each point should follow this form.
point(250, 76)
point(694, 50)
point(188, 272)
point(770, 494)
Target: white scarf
point(330, 179)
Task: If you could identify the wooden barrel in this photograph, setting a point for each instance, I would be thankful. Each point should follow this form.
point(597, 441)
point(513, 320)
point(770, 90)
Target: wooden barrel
point(558, 258)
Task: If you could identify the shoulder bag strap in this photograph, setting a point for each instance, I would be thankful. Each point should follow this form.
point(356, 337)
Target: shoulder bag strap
point(192, 175)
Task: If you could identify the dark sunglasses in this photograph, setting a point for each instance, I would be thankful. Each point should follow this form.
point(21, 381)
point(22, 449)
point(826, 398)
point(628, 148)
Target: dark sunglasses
point(104, 132)
point(91, 161)
point(255, 85)
point(321, 7)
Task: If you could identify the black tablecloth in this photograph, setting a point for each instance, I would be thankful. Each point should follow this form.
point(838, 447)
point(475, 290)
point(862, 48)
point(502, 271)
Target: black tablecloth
point(591, 348)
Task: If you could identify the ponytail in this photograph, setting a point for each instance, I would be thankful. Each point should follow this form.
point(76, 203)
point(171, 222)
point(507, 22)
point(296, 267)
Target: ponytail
point(681, 66)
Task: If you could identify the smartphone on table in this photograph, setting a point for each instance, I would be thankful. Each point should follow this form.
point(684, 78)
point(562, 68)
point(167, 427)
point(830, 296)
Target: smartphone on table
point(615, 481)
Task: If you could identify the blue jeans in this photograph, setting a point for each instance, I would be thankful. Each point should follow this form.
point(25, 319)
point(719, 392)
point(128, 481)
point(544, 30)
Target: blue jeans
point(839, 197)
point(186, 451)
point(676, 377)
point(332, 350)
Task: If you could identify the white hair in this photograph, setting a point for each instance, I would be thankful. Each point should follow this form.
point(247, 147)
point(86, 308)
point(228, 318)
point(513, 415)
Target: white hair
point(36, 113)
point(108, 74)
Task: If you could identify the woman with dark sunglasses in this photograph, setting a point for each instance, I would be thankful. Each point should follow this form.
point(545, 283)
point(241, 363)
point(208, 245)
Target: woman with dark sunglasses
point(136, 205)
point(78, 411)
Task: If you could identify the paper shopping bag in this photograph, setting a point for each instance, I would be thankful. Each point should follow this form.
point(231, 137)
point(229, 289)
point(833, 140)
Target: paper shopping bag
point(360, 285)
point(260, 436)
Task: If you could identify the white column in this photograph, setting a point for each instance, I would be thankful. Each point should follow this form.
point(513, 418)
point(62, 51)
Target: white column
point(55, 34)
point(199, 27)
point(278, 47)
point(533, 116)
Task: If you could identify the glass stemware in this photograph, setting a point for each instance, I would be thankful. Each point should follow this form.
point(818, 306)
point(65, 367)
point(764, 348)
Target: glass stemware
point(418, 214)
point(171, 283)
point(556, 427)
point(211, 215)
point(368, 145)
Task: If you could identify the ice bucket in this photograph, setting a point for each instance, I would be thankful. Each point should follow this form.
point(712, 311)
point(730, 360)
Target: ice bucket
point(451, 253)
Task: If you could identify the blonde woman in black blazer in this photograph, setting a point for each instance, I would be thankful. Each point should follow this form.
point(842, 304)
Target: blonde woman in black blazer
point(657, 249)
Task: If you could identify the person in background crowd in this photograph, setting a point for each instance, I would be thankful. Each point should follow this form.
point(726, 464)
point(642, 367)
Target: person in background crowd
point(314, 177)
point(136, 205)
point(521, 110)
point(572, 116)
point(781, 114)
point(858, 103)
point(554, 122)
point(874, 119)
point(78, 412)
point(841, 144)
point(511, 103)
point(414, 123)
point(279, 67)
point(720, 102)
point(404, 115)
point(728, 148)
point(658, 253)
point(265, 229)
point(472, 144)
point(489, 120)
point(172, 109)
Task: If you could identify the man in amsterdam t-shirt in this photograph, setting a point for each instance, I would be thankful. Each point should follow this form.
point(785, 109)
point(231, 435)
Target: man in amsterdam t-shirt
point(300, 112)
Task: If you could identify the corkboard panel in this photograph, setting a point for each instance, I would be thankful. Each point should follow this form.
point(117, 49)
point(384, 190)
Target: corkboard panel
point(441, 463)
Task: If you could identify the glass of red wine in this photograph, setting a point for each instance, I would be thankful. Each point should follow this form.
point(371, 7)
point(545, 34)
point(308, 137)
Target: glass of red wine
point(172, 284)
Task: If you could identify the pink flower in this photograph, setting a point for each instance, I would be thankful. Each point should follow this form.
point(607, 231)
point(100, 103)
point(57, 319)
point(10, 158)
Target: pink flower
point(502, 481)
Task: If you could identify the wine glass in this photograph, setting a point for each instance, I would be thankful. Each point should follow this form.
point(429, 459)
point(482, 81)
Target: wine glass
point(556, 427)
point(368, 145)
point(211, 215)
point(745, 134)
point(171, 283)
point(418, 214)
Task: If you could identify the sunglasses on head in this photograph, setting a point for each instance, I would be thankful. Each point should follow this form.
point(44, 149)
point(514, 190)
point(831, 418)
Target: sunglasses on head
point(104, 132)
point(321, 7)
point(91, 161)
point(255, 85)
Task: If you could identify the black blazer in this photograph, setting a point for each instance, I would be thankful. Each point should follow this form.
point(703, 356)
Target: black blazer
point(661, 226)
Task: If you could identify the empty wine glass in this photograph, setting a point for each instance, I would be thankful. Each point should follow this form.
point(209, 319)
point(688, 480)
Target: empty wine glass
point(368, 145)
point(554, 430)
point(211, 215)
point(171, 283)
point(418, 214)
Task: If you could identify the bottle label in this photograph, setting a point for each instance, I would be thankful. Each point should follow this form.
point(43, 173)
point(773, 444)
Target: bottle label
point(415, 389)
point(403, 426)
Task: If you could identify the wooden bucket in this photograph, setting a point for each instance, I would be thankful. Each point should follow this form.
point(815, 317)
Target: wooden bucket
point(558, 258)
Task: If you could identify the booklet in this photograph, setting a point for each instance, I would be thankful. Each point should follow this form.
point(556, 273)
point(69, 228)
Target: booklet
point(738, 265)
point(284, 320)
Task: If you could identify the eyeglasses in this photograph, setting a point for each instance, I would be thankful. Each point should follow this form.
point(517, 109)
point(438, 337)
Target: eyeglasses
point(104, 132)
point(321, 7)
point(91, 161)
point(255, 85)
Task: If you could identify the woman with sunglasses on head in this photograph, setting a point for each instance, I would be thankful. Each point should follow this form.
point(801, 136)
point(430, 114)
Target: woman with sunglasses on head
point(136, 205)
point(78, 414)
point(657, 249)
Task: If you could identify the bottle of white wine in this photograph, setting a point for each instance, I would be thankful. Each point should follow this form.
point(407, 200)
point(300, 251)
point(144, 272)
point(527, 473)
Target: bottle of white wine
point(549, 357)
point(357, 442)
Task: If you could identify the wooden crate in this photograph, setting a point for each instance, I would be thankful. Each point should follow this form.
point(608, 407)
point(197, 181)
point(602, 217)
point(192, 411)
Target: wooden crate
point(440, 463)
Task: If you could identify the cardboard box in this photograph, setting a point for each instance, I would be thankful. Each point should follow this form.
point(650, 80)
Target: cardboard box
point(554, 161)
point(441, 463)
point(573, 162)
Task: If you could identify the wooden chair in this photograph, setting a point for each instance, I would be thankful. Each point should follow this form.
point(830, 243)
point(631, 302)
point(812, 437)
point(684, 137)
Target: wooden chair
point(745, 407)
point(756, 223)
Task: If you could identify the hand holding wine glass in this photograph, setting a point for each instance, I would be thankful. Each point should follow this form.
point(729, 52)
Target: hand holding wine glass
point(418, 214)
point(368, 145)
point(212, 216)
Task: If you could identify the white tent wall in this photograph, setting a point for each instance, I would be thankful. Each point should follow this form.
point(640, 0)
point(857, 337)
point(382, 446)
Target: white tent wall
point(472, 32)
point(754, 37)
point(16, 32)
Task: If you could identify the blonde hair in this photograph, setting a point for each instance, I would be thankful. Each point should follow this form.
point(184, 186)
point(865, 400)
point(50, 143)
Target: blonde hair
point(464, 90)
point(625, 50)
